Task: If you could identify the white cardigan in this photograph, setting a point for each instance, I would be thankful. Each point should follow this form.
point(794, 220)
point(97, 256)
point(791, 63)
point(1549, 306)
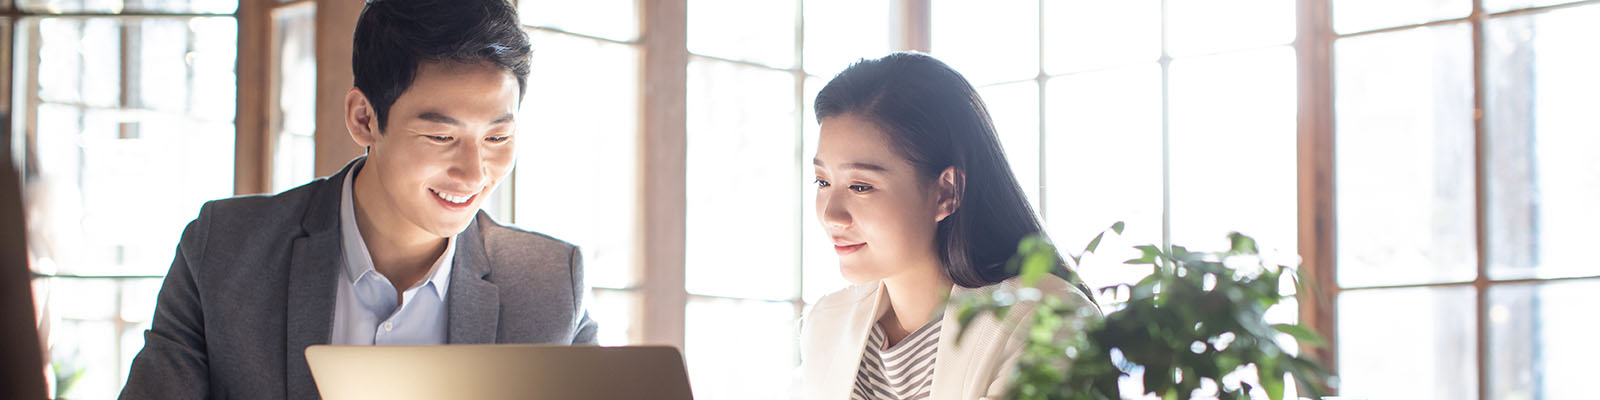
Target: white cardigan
point(834, 333)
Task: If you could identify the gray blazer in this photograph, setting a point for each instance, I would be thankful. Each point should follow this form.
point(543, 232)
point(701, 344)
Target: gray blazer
point(253, 284)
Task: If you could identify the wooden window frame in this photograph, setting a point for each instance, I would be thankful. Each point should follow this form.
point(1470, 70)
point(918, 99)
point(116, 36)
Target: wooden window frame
point(659, 316)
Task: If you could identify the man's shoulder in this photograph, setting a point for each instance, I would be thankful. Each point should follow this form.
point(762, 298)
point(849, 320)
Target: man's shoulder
point(262, 210)
point(510, 240)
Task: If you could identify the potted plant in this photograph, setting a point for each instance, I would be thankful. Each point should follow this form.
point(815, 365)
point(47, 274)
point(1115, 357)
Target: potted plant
point(1197, 317)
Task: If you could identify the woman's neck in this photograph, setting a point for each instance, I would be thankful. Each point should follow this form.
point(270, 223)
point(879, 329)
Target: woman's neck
point(914, 296)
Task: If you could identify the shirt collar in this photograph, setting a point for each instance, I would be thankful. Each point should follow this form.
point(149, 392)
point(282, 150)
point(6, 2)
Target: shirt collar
point(358, 260)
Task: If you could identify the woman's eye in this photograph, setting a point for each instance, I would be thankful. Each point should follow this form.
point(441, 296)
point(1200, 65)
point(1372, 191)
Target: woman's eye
point(860, 188)
point(821, 183)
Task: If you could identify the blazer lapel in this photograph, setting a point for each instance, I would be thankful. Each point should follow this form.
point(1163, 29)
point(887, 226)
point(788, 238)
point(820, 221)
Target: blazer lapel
point(952, 366)
point(313, 276)
point(474, 300)
point(846, 357)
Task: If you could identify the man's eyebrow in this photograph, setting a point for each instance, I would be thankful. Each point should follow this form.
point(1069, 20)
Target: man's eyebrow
point(438, 118)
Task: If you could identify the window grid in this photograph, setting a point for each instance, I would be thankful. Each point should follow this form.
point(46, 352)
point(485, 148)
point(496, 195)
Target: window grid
point(21, 133)
point(1326, 312)
point(507, 209)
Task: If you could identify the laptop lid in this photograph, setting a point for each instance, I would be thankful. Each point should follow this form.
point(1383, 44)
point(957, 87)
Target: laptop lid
point(498, 372)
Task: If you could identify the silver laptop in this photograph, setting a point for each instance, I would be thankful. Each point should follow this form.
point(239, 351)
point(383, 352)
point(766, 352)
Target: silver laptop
point(492, 372)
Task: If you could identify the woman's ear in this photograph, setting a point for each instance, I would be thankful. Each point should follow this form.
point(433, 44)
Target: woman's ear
point(360, 118)
point(952, 183)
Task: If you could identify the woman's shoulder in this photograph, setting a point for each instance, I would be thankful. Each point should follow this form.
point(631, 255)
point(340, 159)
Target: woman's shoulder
point(851, 296)
point(1047, 286)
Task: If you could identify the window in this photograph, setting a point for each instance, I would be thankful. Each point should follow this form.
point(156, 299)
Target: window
point(749, 81)
point(292, 107)
point(1461, 166)
point(575, 169)
point(756, 254)
point(1177, 118)
point(1431, 160)
point(109, 106)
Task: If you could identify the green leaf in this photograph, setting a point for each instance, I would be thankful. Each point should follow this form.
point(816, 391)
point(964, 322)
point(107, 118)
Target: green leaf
point(1151, 254)
point(964, 316)
point(1242, 244)
point(1271, 381)
point(1117, 227)
point(1038, 264)
point(1300, 333)
point(1093, 244)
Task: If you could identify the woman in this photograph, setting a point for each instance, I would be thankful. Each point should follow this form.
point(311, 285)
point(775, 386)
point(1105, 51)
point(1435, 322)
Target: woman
point(921, 206)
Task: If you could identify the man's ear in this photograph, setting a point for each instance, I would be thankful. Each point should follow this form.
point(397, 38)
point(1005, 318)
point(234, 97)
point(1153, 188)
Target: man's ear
point(951, 185)
point(360, 118)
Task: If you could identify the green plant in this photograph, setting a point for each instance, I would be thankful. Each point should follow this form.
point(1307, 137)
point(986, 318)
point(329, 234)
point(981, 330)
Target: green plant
point(1193, 319)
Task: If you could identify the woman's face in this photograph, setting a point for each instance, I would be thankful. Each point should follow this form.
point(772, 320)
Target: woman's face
point(880, 214)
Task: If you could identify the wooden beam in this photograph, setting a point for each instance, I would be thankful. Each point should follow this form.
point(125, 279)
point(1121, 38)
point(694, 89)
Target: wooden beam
point(663, 138)
point(336, 27)
point(252, 144)
point(913, 25)
point(1314, 48)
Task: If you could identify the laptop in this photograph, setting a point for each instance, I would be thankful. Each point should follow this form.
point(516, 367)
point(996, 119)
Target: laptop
point(495, 372)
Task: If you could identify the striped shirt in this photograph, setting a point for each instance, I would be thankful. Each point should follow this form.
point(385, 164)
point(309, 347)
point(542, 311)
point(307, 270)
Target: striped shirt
point(902, 372)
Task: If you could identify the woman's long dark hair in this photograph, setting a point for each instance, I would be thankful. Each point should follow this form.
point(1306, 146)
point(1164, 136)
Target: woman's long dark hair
point(935, 119)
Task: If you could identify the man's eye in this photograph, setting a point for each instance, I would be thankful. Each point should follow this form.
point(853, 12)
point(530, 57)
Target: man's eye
point(860, 188)
point(498, 139)
point(440, 139)
point(821, 183)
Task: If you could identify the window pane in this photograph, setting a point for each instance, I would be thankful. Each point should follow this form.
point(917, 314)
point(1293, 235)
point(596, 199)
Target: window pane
point(1104, 161)
point(1413, 343)
point(1204, 27)
point(85, 353)
point(122, 106)
point(756, 359)
point(821, 264)
point(614, 311)
point(988, 41)
point(169, 125)
point(611, 19)
point(839, 32)
point(295, 110)
point(1537, 349)
point(129, 6)
point(1232, 146)
point(1404, 159)
point(742, 174)
point(577, 136)
point(1015, 110)
point(1085, 34)
point(95, 328)
point(1544, 180)
point(1363, 15)
point(756, 31)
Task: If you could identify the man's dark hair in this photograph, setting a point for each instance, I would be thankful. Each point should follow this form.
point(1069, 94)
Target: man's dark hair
point(393, 37)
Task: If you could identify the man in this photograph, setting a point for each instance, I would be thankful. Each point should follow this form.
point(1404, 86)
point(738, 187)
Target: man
point(393, 249)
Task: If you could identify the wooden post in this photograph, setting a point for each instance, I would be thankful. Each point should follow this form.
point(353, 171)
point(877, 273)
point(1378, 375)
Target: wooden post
point(1314, 48)
point(252, 142)
point(336, 28)
point(663, 134)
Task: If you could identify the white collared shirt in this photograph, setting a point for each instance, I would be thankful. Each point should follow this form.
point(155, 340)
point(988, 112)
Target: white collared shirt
point(365, 312)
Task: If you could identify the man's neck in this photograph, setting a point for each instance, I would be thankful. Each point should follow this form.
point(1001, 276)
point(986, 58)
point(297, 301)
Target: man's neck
point(914, 295)
point(399, 250)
